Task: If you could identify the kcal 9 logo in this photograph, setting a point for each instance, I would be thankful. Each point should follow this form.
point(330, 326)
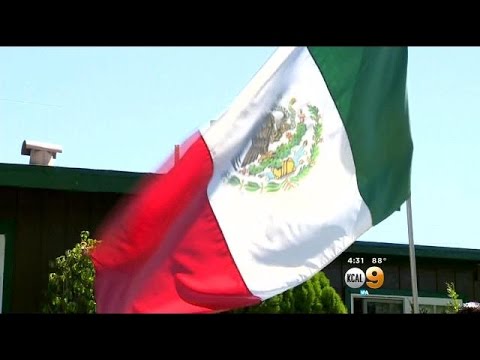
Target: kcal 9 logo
point(374, 277)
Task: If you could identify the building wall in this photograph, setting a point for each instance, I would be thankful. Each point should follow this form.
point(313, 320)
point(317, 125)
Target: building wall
point(47, 222)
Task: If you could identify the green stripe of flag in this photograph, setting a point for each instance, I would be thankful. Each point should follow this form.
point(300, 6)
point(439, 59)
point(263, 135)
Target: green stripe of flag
point(368, 86)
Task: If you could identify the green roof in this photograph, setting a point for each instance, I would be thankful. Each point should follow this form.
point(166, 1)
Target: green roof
point(90, 180)
point(71, 179)
point(421, 251)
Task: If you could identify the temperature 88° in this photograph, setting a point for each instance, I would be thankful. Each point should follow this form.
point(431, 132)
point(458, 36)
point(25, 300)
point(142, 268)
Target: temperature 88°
point(378, 260)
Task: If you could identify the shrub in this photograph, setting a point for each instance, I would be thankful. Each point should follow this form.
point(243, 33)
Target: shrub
point(314, 296)
point(70, 284)
point(454, 304)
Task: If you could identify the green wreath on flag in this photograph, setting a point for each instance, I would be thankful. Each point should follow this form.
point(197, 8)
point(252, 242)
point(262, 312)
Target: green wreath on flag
point(285, 172)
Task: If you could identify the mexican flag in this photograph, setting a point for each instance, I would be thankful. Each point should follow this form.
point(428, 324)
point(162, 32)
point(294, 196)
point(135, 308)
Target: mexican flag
point(312, 153)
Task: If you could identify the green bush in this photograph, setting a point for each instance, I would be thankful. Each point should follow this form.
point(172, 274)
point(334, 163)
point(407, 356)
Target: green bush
point(454, 304)
point(314, 296)
point(70, 284)
point(70, 289)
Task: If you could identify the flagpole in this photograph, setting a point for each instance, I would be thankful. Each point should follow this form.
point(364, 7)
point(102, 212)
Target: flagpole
point(413, 267)
point(177, 155)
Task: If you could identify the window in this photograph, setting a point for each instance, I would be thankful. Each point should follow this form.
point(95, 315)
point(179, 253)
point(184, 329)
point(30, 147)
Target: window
point(429, 305)
point(432, 309)
point(383, 306)
point(386, 304)
point(377, 304)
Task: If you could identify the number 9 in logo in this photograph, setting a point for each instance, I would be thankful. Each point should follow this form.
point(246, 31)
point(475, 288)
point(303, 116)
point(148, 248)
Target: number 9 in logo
point(375, 277)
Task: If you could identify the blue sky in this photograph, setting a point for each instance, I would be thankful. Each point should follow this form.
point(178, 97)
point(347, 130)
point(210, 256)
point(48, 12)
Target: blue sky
point(125, 108)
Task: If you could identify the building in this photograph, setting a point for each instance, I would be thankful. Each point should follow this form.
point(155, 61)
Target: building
point(436, 266)
point(43, 209)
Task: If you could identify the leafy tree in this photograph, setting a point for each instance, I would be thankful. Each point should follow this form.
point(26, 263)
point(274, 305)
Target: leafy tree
point(454, 303)
point(70, 284)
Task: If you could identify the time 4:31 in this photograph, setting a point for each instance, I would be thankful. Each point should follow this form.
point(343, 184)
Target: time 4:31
point(355, 260)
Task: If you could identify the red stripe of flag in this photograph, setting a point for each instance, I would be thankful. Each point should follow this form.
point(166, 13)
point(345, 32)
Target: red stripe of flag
point(162, 251)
